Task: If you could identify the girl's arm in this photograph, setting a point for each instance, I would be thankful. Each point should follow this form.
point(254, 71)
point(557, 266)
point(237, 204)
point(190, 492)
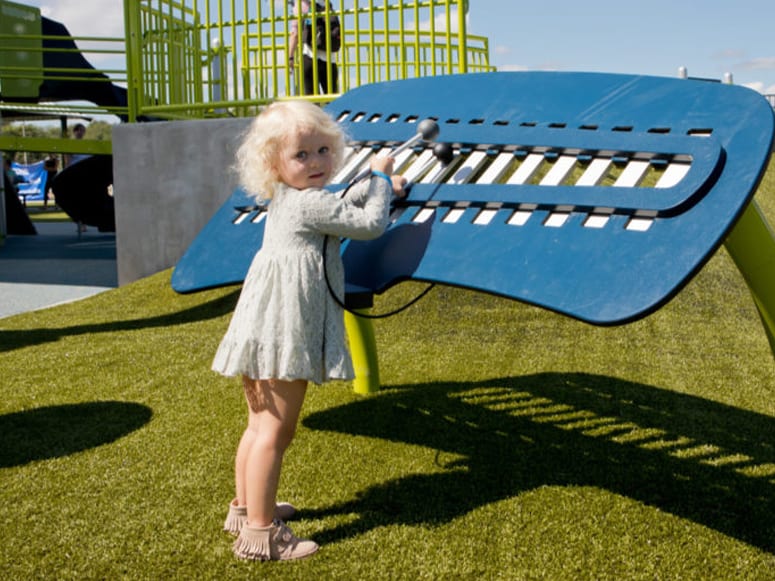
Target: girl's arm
point(362, 214)
point(383, 166)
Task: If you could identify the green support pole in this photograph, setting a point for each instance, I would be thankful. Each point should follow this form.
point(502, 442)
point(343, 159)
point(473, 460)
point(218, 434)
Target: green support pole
point(752, 246)
point(363, 348)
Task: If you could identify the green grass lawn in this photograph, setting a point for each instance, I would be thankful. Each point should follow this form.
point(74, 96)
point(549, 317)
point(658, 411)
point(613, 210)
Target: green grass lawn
point(51, 213)
point(508, 442)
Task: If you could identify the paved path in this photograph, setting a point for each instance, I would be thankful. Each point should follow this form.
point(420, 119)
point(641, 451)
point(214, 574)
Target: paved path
point(56, 266)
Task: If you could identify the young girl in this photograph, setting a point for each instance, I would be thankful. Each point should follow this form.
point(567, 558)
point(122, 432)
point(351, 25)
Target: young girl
point(286, 329)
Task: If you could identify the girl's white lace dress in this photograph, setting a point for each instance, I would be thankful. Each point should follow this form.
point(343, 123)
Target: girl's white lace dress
point(286, 325)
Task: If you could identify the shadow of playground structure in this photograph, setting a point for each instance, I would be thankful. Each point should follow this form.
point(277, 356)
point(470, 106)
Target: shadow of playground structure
point(28, 436)
point(699, 460)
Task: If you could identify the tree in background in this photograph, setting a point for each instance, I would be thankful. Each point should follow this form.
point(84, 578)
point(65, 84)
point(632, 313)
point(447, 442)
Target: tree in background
point(98, 130)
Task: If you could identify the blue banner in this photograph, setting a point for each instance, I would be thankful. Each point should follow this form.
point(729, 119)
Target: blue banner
point(33, 180)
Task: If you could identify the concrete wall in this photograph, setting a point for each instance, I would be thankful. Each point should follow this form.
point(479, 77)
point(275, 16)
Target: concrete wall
point(168, 180)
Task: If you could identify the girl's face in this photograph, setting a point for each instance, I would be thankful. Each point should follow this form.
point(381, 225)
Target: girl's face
point(306, 161)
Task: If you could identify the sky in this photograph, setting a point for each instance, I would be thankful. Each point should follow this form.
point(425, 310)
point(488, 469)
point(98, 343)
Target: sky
point(708, 37)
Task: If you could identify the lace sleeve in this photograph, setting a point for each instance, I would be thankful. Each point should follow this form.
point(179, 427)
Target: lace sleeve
point(362, 214)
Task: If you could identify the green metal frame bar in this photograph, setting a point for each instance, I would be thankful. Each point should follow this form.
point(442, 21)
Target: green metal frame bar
point(172, 50)
point(248, 45)
point(45, 144)
point(21, 64)
point(363, 351)
point(751, 244)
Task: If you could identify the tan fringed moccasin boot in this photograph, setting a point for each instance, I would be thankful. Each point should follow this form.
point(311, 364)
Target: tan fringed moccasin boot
point(236, 518)
point(273, 543)
point(238, 515)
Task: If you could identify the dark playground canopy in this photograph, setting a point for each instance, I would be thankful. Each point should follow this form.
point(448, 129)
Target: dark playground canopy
point(67, 75)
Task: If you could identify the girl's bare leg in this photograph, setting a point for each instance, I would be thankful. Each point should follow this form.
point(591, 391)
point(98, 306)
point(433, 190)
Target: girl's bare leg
point(245, 444)
point(274, 409)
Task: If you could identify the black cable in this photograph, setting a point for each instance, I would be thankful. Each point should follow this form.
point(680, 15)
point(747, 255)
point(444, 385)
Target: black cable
point(340, 302)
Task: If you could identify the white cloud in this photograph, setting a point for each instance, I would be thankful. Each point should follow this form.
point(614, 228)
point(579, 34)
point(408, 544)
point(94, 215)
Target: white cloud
point(729, 53)
point(513, 68)
point(756, 86)
point(760, 87)
point(758, 63)
point(440, 22)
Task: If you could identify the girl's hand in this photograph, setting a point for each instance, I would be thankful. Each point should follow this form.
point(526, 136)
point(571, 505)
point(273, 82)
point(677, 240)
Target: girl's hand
point(383, 164)
point(398, 185)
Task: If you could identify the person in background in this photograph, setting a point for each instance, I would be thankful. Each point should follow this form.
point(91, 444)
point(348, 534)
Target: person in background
point(312, 57)
point(79, 130)
point(51, 166)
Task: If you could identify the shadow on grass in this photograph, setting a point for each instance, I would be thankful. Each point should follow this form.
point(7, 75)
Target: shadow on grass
point(56, 431)
point(700, 460)
point(20, 338)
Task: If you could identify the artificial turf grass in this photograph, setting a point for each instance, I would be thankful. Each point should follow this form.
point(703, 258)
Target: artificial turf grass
point(51, 213)
point(509, 442)
point(372, 494)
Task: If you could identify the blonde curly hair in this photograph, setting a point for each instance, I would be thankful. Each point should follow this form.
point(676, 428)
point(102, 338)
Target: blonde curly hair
point(257, 156)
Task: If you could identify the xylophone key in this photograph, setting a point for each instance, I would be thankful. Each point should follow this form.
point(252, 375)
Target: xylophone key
point(453, 215)
point(347, 155)
point(402, 160)
point(245, 215)
point(418, 167)
point(497, 168)
point(526, 169)
point(350, 169)
point(423, 215)
point(485, 216)
point(596, 220)
point(595, 172)
point(673, 174)
point(521, 216)
point(436, 173)
point(558, 217)
point(469, 167)
point(241, 217)
point(637, 224)
point(559, 171)
point(633, 174)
